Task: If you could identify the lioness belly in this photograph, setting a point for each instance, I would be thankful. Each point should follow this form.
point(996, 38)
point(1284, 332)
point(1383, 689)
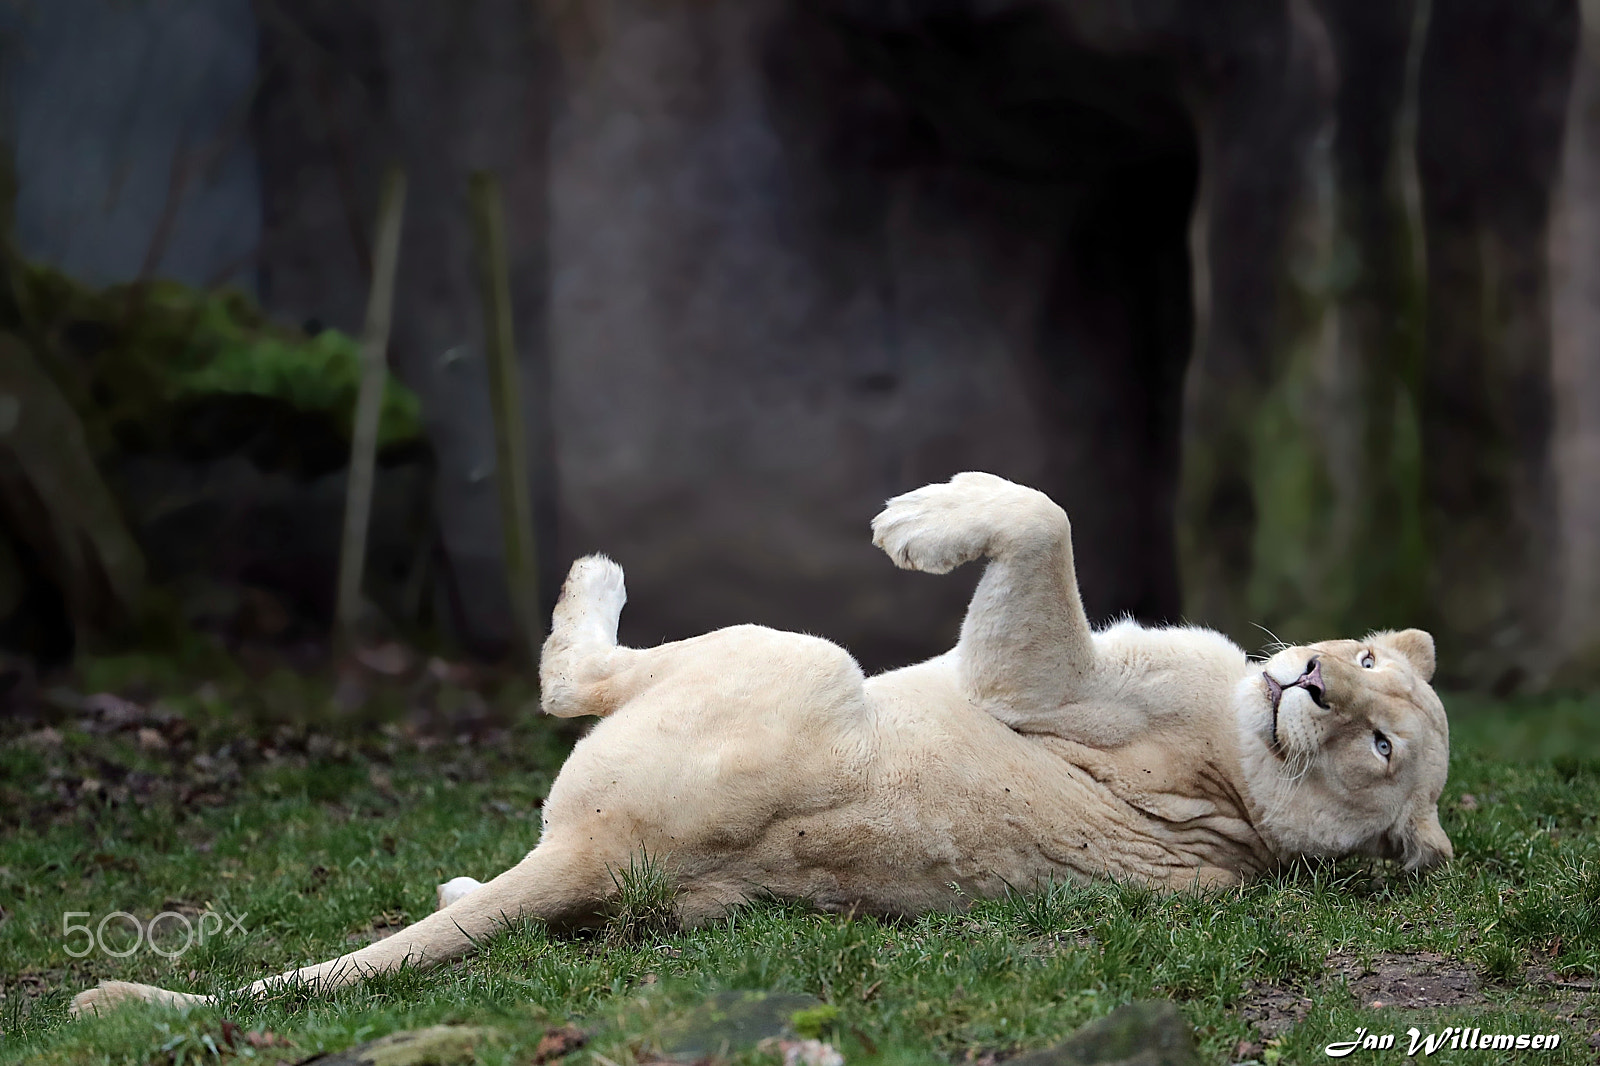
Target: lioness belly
point(887, 798)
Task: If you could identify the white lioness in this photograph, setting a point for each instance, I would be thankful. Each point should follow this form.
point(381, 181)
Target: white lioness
point(759, 762)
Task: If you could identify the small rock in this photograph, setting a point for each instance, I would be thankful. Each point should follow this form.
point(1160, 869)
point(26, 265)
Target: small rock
point(390, 659)
point(152, 740)
point(1468, 802)
point(116, 712)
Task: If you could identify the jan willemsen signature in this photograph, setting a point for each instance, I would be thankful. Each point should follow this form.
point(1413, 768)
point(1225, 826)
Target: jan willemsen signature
point(1453, 1037)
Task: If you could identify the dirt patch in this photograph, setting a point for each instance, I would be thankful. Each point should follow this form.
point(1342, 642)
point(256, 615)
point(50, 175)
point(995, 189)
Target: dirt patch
point(382, 927)
point(1413, 981)
point(1561, 982)
point(1570, 998)
point(1272, 1010)
point(31, 984)
point(23, 994)
point(97, 752)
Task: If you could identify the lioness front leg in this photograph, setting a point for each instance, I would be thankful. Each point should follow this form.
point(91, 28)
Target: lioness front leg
point(1026, 651)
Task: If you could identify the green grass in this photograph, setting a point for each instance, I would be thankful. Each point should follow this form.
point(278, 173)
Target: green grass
point(313, 847)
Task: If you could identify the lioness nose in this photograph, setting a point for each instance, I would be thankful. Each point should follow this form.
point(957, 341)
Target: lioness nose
point(1311, 681)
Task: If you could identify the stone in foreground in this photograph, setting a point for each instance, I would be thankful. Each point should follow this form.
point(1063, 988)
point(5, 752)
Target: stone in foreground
point(1141, 1033)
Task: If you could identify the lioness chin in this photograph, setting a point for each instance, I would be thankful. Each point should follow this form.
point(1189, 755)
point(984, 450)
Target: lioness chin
point(752, 761)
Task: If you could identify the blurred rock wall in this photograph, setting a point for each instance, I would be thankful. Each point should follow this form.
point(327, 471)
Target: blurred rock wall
point(1575, 279)
point(130, 124)
point(1292, 305)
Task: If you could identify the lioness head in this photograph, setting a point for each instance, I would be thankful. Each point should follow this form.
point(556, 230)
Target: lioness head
point(1346, 747)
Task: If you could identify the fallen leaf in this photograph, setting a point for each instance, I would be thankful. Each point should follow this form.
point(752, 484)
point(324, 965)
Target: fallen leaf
point(558, 1042)
point(266, 1038)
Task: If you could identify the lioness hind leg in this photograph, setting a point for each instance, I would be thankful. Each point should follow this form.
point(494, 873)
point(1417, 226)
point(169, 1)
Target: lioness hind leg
point(563, 886)
point(581, 652)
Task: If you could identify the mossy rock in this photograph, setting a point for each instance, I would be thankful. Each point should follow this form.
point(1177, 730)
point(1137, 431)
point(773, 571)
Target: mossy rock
point(729, 1022)
point(1141, 1033)
point(135, 358)
point(439, 1045)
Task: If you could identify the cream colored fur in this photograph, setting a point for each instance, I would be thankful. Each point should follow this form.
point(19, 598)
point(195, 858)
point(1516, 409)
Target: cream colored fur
point(752, 761)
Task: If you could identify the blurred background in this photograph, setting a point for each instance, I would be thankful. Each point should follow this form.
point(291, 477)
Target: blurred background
point(1294, 306)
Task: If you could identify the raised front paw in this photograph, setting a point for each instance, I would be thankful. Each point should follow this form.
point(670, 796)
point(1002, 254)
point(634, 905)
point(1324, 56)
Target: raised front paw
point(938, 527)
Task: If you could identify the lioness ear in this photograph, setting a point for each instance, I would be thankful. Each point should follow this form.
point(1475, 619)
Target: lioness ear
point(1421, 843)
point(1416, 645)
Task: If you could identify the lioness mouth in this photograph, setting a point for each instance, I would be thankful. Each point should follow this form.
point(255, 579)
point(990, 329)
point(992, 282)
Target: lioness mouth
point(1311, 681)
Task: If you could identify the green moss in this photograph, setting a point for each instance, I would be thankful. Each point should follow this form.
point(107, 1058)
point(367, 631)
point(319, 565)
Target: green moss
point(812, 1023)
point(321, 373)
point(1291, 582)
point(1338, 547)
point(129, 355)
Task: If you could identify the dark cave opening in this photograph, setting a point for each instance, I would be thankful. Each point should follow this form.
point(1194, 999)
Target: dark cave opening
point(1015, 99)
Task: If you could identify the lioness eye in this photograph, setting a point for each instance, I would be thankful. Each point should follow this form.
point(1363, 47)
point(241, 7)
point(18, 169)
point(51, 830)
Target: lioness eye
point(1381, 745)
point(1367, 661)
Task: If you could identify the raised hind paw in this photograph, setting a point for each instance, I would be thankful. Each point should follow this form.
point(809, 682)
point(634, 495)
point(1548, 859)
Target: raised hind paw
point(591, 600)
point(939, 527)
point(456, 888)
point(111, 994)
point(581, 650)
